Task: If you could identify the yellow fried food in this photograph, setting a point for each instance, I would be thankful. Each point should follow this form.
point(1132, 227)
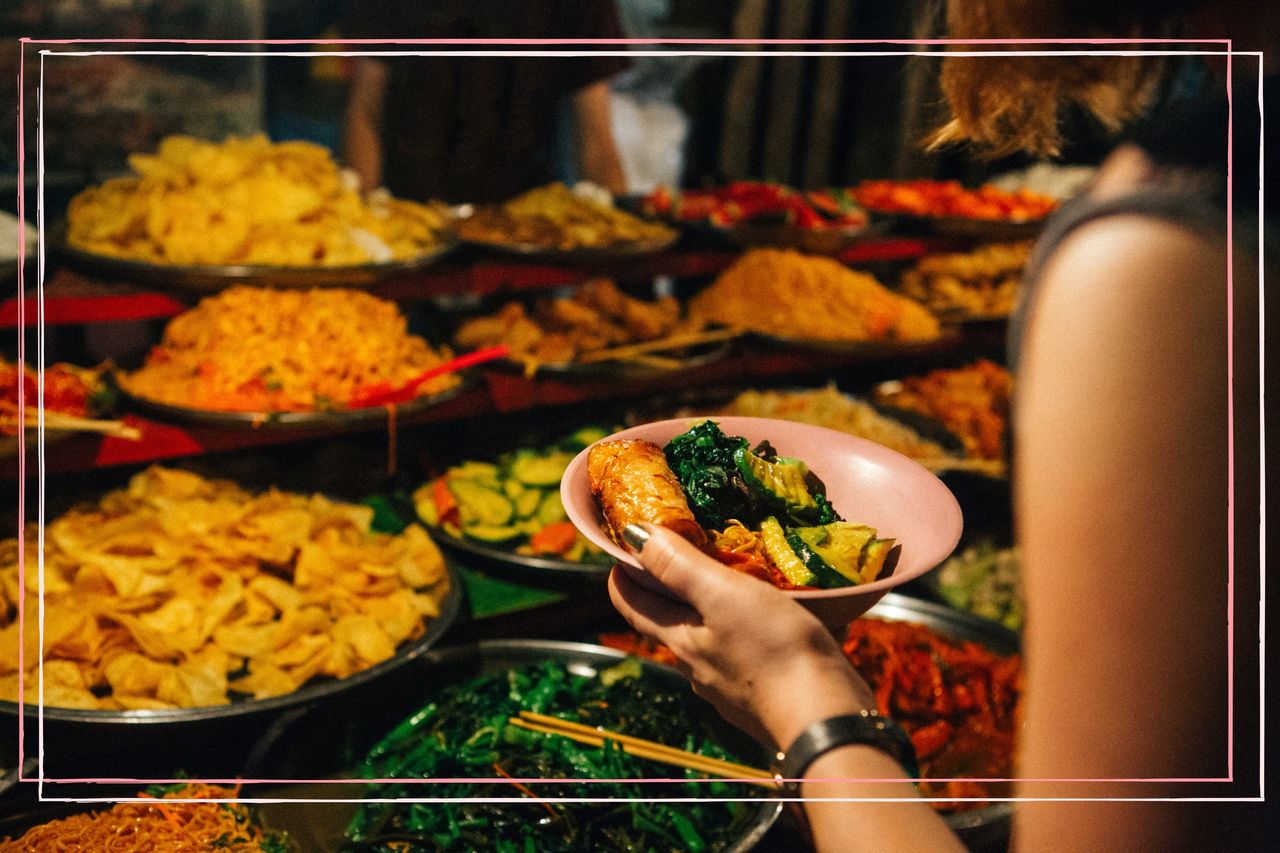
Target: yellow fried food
point(786, 293)
point(247, 201)
point(984, 281)
point(178, 591)
point(598, 315)
point(555, 217)
point(262, 350)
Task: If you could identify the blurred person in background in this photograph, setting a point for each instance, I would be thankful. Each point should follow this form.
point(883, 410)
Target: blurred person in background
point(1121, 467)
point(471, 128)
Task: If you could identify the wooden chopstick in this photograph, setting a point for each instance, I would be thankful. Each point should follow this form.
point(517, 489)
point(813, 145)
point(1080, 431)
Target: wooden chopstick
point(642, 748)
point(688, 340)
point(57, 420)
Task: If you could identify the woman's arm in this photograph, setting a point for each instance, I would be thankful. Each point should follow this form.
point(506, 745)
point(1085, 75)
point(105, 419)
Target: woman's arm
point(772, 669)
point(598, 157)
point(1121, 507)
point(362, 123)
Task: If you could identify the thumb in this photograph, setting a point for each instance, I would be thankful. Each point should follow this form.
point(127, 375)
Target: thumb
point(677, 563)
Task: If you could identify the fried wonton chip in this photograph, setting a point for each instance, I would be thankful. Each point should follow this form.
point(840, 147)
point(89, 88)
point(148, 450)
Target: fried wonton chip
point(168, 588)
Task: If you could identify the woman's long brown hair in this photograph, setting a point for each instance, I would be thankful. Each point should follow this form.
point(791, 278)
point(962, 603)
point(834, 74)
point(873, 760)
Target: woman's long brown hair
point(1001, 105)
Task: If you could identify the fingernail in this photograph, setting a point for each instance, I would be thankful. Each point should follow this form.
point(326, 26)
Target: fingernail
point(635, 536)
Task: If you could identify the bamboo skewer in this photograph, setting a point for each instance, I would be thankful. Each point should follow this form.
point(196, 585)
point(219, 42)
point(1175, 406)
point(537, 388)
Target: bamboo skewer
point(642, 748)
point(688, 340)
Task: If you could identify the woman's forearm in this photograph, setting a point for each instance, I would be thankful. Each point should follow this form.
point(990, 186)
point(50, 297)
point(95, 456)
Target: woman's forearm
point(841, 817)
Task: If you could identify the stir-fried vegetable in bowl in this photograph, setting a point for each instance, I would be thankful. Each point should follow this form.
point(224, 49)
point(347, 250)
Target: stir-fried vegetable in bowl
point(886, 496)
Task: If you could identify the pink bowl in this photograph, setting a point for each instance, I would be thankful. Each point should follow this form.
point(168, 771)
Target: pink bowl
point(866, 483)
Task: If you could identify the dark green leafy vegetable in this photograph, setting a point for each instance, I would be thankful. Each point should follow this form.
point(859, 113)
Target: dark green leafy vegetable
point(703, 461)
point(723, 479)
point(464, 733)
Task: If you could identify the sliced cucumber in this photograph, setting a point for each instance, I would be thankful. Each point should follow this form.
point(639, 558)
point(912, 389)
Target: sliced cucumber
point(492, 534)
point(527, 502)
point(482, 472)
point(425, 506)
point(782, 554)
point(551, 510)
point(584, 437)
point(540, 470)
point(478, 504)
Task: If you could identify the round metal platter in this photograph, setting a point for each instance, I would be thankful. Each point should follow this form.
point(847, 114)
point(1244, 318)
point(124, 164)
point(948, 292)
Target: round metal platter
point(210, 279)
point(335, 419)
point(978, 825)
point(314, 692)
point(866, 349)
point(961, 317)
point(818, 241)
point(700, 356)
point(975, 229)
point(551, 254)
point(302, 751)
point(523, 566)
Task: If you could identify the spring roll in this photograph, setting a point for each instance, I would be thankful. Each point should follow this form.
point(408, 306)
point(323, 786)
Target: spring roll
point(631, 482)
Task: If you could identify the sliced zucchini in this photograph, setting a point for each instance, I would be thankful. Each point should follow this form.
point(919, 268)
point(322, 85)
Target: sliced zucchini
point(512, 488)
point(483, 472)
point(478, 504)
point(585, 437)
point(880, 555)
point(492, 534)
point(541, 471)
point(425, 506)
point(832, 551)
point(782, 554)
point(527, 502)
point(551, 510)
point(781, 484)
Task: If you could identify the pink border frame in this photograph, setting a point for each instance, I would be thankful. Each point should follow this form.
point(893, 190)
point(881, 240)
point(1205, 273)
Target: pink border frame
point(1228, 53)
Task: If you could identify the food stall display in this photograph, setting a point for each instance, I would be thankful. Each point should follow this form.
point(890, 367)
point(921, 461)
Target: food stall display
point(182, 592)
point(985, 579)
point(957, 700)
point(554, 218)
point(261, 350)
point(218, 823)
point(981, 284)
point(186, 592)
point(786, 295)
point(749, 201)
point(511, 504)
point(249, 202)
point(485, 728)
point(971, 401)
point(946, 199)
point(598, 324)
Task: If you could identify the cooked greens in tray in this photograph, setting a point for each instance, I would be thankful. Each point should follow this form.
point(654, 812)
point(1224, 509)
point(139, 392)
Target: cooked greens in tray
point(464, 733)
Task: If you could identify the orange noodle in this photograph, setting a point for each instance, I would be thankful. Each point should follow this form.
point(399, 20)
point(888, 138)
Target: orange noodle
point(156, 826)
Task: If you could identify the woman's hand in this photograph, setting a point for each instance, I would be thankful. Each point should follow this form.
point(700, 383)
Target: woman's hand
point(767, 664)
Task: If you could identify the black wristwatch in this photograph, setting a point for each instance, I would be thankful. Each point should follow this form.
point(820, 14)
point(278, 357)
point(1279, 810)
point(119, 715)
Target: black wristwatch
point(865, 727)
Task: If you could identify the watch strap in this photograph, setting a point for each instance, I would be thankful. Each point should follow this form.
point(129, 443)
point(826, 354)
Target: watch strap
point(865, 727)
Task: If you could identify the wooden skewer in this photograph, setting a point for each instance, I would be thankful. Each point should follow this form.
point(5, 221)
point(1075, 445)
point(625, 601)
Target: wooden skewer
point(642, 748)
point(989, 466)
point(57, 420)
point(659, 361)
point(689, 340)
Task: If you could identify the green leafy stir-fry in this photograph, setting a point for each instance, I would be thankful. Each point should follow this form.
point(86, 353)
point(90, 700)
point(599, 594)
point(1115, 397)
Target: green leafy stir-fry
point(465, 733)
point(724, 479)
